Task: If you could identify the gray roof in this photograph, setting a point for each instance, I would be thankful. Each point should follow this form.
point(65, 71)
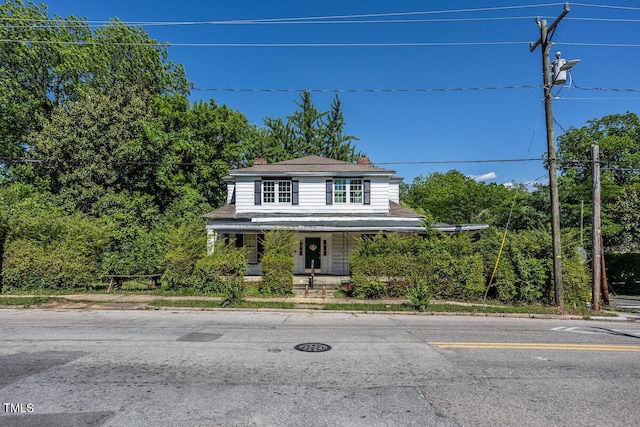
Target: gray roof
point(229, 212)
point(311, 164)
point(399, 219)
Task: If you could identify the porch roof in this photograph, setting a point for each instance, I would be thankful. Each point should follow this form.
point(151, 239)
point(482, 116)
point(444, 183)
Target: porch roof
point(399, 219)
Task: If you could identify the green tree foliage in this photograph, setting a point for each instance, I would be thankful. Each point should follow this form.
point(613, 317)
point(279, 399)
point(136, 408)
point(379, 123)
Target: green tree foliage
point(455, 198)
point(618, 138)
point(626, 217)
point(524, 271)
point(92, 148)
point(308, 131)
point(46, 62)
point(193, 147)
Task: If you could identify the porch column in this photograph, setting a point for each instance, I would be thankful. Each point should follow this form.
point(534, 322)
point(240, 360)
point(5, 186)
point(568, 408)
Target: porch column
point(212, 238)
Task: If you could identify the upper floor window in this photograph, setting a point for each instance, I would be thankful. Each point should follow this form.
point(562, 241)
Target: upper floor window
point(276, 191)
point(354, 191)
point(347, 190)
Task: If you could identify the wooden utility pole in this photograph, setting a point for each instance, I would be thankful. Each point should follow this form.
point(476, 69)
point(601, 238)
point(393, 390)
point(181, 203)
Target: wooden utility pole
point(545, 44)
point(596, 252)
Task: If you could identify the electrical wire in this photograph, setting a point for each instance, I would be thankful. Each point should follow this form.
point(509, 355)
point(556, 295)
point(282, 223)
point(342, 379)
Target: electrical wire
point(308, 18)
point(396, 90)
point(169, 44)
point(435, 162)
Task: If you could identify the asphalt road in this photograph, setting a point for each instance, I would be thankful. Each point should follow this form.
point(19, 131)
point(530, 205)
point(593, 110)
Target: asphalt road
point(240, 368)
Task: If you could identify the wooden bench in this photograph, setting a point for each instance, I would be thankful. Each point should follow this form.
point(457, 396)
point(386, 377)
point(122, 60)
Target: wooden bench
point(115, 280)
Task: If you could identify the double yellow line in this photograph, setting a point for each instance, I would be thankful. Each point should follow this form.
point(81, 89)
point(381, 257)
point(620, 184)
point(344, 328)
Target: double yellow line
point(534, 346)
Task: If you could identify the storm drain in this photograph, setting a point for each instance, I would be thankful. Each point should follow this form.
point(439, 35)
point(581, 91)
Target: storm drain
point(313, 347)
point(199, 337)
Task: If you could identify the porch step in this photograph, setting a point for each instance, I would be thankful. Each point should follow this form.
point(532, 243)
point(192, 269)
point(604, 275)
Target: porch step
point(331, 282)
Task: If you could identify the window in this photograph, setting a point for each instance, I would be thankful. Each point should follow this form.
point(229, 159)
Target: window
point(251, 245)
point(269, 191)
point(349, 190)
point(254, 246)
point(284, 191)
point(278, 191)
point(355, 191)
point(340, 191)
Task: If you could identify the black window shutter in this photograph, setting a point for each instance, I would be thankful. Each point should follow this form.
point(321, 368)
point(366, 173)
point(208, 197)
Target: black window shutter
point(257, 193)
point(367, 192)
point(294, 192)
point(239, 240)
point(329, 191)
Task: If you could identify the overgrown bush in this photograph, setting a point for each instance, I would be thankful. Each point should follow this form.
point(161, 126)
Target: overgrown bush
point(31, 266)
point(394, 265)
point(223, 272)
point(277, 262)
point(46, 248)
point(420, 296)
point(524, 272)
point(186, 245)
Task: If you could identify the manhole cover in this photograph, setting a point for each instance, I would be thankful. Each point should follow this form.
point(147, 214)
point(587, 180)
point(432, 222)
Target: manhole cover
point(313, 347)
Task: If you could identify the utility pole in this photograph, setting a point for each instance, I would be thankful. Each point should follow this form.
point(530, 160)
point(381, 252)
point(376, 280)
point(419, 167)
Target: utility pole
point(596, 254)
point(545, 45)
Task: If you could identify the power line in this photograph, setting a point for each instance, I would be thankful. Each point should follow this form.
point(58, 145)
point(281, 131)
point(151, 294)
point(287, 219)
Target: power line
point(396, 90)
point(298, 45)
point(146, 163)
point(307, 18)
point(169, 44)
point(602, 6)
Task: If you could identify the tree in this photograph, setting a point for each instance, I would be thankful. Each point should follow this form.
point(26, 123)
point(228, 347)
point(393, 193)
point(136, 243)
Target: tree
point(308, 131)
point(455, 198)
point(92, 147)
point(41, 63)
point(618, 138)
point(47, 62)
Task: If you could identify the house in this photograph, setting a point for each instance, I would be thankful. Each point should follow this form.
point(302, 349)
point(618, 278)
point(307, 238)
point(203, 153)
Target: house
point(330, 204)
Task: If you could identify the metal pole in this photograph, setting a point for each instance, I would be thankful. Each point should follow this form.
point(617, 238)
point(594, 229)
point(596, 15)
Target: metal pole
point(552, 164)
point(596, 254)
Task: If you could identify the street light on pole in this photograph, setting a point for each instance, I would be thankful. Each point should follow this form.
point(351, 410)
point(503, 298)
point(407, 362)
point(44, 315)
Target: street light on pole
point(545, 43)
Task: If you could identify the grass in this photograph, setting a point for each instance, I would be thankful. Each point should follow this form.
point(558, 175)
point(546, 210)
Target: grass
point(24, 302)
point(218, 304)
point(447, 308)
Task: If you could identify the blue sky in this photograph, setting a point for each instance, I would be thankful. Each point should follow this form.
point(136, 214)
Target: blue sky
point(404, 130)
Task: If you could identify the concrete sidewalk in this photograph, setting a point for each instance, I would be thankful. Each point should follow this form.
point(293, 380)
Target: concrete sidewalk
point(314, 300)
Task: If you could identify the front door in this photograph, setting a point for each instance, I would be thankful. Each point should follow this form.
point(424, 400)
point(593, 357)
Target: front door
point(312, 253)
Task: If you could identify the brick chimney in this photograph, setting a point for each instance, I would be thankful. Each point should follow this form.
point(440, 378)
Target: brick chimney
point(365, 161)
point(260, 161)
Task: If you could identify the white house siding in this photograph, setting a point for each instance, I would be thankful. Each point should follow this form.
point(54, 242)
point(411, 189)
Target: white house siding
point(312, 198)
point(343, 245)
point(394, 190)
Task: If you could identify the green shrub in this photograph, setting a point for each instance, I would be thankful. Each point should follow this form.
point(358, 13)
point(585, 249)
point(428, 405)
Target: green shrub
point(186, 245)
point(32, 266)
point(576, 281)
point(420, 296)
point(277, 262)
point(222, 271)
point(277, 274)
